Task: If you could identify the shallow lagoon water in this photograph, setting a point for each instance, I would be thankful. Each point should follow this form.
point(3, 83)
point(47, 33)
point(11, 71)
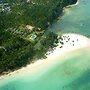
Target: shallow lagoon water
point(73, 73)
point(75, 20)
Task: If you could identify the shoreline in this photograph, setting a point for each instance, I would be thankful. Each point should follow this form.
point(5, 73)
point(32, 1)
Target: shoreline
point(31, 65)
point(73, 4)
point(69, 6)
point(72, 42)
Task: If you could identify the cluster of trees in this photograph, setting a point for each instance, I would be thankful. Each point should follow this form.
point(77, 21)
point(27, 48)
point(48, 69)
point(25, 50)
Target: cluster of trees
point(38, 13)
point(16, 51)
point(47, 43)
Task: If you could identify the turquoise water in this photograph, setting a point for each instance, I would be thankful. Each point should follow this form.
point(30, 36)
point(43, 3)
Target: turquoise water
point(73, 73)
point(75, 20)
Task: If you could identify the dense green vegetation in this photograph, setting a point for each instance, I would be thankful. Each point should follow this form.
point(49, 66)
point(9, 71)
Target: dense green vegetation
point(15, 50)
point(47, 43)
point(38, 13)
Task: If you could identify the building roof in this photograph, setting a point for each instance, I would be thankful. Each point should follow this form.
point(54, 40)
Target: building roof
point(29, 27)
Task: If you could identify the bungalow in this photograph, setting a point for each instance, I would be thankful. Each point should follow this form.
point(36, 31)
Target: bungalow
point(29, 27)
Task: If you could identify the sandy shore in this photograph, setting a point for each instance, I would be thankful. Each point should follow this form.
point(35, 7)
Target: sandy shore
point(71, 42)
point(69, 6)
point(73, 4)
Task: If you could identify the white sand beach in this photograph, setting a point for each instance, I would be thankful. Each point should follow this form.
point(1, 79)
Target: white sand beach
point(71, 42)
